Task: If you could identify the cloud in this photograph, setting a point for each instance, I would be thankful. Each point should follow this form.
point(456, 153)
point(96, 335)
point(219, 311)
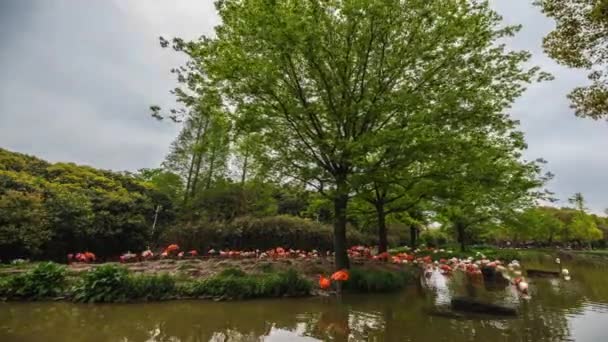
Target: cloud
point(78, 78)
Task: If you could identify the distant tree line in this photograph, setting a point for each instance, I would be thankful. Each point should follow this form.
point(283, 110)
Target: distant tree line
point(49, 210)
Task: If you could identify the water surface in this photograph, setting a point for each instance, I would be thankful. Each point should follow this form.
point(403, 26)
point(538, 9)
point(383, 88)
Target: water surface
point(557, 310)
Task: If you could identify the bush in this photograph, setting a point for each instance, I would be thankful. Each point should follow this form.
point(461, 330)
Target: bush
point(46, 280)
point(236, 285)
point(366, 280)
point(263, 233)
point(107, 283)
point(151, 287)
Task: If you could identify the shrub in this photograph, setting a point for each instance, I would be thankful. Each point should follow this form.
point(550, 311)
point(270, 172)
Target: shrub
point(46, 280)
point(151, 287)
point(236, 285)
point(107, 283)
point(234, 272)
point(291, 284)
point(366, 280)
point(265, 233)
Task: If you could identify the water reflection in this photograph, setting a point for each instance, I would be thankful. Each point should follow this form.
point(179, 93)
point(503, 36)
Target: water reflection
point(557, 311)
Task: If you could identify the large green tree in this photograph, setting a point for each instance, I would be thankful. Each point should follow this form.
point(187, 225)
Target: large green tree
point(580, 40)
point(336, 84)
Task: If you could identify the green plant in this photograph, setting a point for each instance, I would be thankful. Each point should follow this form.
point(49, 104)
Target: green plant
point(236, 284)
point(234, 272)
point(45, 280)
point(434, 238)
point(291, 284)
point(366, 280)
point(151, 287)
point(107, 283)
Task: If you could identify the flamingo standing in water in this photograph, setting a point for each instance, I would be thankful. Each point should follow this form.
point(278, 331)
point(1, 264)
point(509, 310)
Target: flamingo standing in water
point(324, 283)
point(339, 277)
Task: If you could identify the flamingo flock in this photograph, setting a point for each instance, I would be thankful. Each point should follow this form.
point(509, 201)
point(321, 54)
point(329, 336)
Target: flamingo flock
point(472, 267)
point(85, 257)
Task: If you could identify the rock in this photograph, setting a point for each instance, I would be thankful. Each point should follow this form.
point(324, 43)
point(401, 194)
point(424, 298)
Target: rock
point(477, 306)
point(491, 275)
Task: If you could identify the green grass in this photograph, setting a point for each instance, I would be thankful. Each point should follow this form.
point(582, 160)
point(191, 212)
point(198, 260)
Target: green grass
point(235, 284)
point(374, 281)
point(113, 283)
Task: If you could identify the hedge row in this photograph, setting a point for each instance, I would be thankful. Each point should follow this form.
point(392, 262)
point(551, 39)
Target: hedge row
point(265, 233)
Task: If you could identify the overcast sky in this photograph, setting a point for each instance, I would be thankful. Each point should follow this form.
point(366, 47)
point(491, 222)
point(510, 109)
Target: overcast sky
point(77, 79)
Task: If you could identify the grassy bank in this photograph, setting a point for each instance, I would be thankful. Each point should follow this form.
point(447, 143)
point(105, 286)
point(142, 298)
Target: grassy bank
point(198, 279)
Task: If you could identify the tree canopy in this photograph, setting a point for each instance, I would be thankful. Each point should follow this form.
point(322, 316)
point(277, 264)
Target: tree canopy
point(580, 40)
point(338, 89)
point(49, 210)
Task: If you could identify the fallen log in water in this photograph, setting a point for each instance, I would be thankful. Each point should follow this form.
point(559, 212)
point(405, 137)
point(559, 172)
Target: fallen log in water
point(477, 306)
point(542, 273)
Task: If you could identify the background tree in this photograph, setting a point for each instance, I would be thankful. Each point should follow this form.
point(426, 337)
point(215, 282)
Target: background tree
point(491, 184)
point(583, 227)
point(48, 210)
point(580, 40)
point(337, 82)
point(200, 153)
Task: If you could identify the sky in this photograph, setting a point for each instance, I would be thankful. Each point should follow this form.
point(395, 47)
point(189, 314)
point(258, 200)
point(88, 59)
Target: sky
point(77, 79)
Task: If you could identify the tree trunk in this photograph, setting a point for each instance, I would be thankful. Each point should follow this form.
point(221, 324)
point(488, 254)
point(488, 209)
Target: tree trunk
point(199, 139)
point(245, 162)
point(461, 238)
point(211, 168)
point(382, 233)
point(413, 236)
point(340, 205)
point(192, 162)
point(190, 171)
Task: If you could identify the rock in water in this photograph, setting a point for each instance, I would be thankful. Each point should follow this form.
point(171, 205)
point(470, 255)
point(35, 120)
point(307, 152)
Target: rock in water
point(492, 275)
point(477, 306)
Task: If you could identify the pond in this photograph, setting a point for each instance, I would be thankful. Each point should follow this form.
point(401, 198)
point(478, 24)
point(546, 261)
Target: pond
point(557, 310)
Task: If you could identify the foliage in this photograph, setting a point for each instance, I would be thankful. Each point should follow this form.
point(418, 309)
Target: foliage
point(200, 152)
point(547, 225)
point(151, 287)
point(372, 280)
point(50, 210)
point(167, 183)
point(434, 238)
point(265, 233)
point(237, 285)
point(104, 284)
point(46, 280)
point(226, 200)
point(540, 224)
point(580, 40)
point(334, 88)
